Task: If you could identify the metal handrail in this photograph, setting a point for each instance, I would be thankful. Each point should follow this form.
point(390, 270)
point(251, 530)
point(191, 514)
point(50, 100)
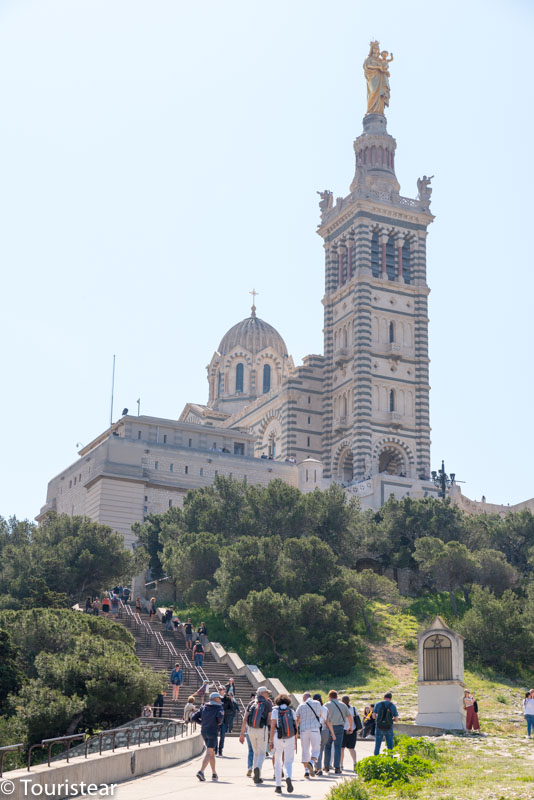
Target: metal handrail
point(6, 749)
point(68, 740)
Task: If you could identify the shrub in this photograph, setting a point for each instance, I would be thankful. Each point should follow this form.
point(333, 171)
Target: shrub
point(348, 790)
point(406, 746)
point(410, 644)
point(390, 769)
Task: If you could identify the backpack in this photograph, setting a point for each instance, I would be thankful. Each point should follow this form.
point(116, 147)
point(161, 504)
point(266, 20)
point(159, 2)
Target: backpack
point(384, 720)
point(285, 727)
point(257, 715)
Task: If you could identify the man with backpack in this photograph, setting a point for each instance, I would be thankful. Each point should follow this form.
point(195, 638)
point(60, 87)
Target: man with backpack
point(256, 722)
point(283, 740)
point(188, 630)
point(385, 714)
point(198, 654)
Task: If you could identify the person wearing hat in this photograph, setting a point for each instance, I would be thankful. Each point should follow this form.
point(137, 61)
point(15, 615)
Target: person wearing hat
point(210, 717)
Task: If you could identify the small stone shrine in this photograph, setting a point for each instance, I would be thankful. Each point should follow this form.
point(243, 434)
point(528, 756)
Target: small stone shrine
point(440, 684)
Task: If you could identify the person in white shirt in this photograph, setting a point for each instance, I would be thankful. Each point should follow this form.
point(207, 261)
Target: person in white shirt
point(309, 722)
point(283, 740)
point(528, 711)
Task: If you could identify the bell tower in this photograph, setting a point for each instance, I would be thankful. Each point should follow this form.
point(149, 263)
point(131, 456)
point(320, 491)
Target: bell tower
point(376, 389)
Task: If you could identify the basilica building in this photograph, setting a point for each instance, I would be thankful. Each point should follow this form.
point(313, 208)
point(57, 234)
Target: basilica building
point(357, 414)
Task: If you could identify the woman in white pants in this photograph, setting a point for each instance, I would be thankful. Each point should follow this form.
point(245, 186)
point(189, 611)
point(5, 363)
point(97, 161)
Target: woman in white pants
point(283, 740)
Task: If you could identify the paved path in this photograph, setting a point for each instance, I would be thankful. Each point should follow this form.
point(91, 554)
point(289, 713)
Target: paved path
point(181, 781)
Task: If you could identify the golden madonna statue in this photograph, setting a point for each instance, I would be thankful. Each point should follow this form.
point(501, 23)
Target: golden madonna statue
point(376, 70)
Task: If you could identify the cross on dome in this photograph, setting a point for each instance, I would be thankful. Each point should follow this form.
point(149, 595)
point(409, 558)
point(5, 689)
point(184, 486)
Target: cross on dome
point(254, 294)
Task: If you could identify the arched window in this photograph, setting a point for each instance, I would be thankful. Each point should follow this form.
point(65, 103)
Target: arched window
point(391, 331)
point(220, 384)
point(407, 262)
point(375, 255)
point(239, 378)
point(390, 259)
point(392, 399)
point(345, 338)
point(266, 378)
point(437, 658)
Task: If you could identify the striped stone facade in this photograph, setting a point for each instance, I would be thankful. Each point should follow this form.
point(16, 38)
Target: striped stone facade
point(376, 290)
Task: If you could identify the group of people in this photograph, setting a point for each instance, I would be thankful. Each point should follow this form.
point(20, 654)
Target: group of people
point(109, 603)
point(270, 728)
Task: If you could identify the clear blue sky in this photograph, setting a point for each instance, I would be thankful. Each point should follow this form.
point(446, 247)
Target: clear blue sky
point(161, 159)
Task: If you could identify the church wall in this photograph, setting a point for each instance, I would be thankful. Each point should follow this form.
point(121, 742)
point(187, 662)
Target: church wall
point(119, 473)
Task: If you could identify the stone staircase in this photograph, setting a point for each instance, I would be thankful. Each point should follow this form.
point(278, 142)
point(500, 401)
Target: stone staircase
point(159, 650)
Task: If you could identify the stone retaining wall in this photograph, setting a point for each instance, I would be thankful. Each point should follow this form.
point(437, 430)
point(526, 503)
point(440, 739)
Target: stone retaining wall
point(109, 768)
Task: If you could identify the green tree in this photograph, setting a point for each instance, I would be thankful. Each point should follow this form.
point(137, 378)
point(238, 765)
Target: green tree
point(248, 563)
point(271, 621)
point(494, 571)
point(276, 509)
point(44, 713)
point(496, 632)
point(306, 565)
point(11, 675)
point(220, 509)
point(329, 516)
point(192, 559)
point(64, 556)
point(449, 565)
point(150, 535)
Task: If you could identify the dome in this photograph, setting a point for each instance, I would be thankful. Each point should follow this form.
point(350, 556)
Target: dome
point(254, 335)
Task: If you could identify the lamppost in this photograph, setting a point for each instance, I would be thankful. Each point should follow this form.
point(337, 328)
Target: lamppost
point(442, 480)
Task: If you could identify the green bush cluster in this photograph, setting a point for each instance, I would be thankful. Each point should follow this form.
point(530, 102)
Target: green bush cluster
point(348, 790)
point(412, 758)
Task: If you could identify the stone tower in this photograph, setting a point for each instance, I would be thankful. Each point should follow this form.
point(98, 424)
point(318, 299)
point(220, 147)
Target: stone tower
point(376, 390)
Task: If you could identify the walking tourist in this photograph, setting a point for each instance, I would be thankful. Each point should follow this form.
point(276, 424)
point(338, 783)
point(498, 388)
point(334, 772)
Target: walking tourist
point(188, 628)
point(175, 622)
point(147, 711)
point(256, 723)
point(309, 724)
point(96, 606)
point(115, 605)
point(349, 739)
point(471, 712)
point(152, 609)
point(177, 678)
point(528, 711)
point(125, 595)
point(338, 714)
point(203, 633)
point(138, 605)
point(189, 709)
point(210, 717)
point(327, 731)
point(106, 605)
point(198, 654)
point(230, 686)
point(230, 709)
point(160, 699)
point(89, 606)
point(385, 714)
point(201, 691)
point(369, 724)
point(283, 739)
point(168, 618)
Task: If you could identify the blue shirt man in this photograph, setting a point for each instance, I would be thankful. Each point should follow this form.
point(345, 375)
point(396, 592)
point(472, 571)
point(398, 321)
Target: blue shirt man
point(385, 713)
